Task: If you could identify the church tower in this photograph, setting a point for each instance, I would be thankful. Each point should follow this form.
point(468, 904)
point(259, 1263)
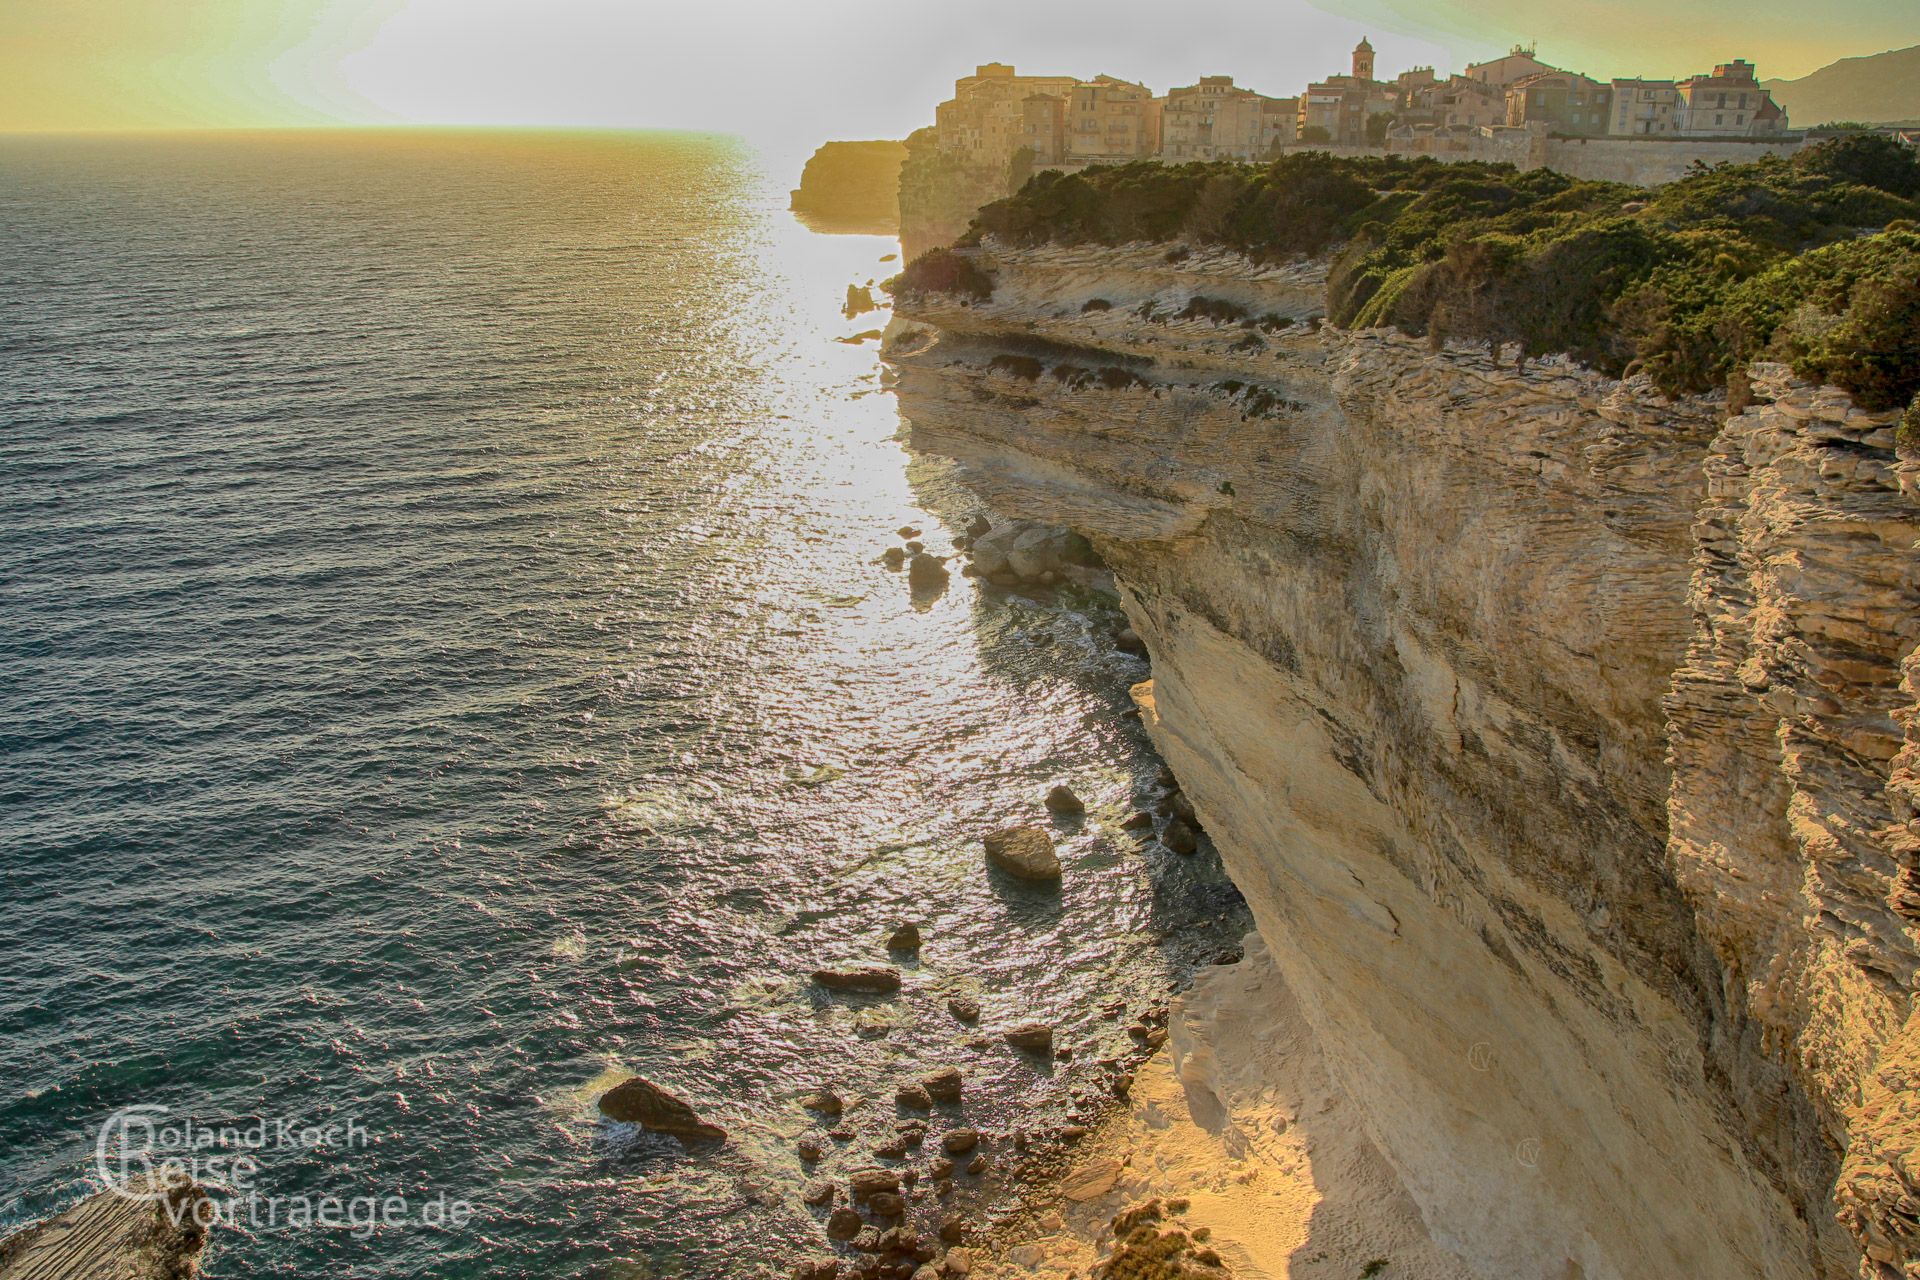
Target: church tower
point(1363, 60)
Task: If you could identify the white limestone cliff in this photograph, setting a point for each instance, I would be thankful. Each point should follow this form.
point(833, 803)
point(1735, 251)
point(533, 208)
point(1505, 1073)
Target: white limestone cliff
point(1557, 735)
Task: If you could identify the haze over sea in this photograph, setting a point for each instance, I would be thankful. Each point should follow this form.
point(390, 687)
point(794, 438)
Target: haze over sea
point(444, 666)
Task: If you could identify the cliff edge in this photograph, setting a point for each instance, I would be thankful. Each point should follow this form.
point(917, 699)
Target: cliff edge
point(1556, 732)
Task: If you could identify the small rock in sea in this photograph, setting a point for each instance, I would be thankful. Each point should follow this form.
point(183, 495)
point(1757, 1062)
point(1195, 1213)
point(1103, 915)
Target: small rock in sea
point(979, 1164)
point(909, 1178)
point(1025, 853)
point(1137, 820)
point(943, 1085)
point(1179, 837)
point(819, 1192)
point(871, 1182)
point(979, 526)
point(965, 1008)
point(1019, 1139)
point(1062, 800)
point(907, 531)
point(825, 1101)
point(916, 547)
point(953, 1228)
point(1183, 809)
point(1122, 1085)
point(913, 1096)
point(872, 979)
point(640, 1101)
point(893, 557)
point(926, 570)
point(905, 938)
point(1156, 1037)
point(867, 1240)
point(1073, 1132)
point(817, 1269)
point(940, 1167)
point(957, 1141)
point(1064, 1053)
point(887, 1204)
point(890, 1150)
point(1232, 955)
point(1127, 640)
point(1034, 1037)
point(843, 1133)
point(843, 1224)
point(809, 1150)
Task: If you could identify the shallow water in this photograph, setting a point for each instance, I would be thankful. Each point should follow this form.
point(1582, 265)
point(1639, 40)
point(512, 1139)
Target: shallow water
point(444, 666)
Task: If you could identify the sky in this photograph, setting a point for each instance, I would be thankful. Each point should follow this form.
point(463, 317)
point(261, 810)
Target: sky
point(790, 72)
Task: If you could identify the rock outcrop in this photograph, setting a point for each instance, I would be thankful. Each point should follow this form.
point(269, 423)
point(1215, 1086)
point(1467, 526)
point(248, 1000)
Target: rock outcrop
point(1558, 735)
point(852, 186)
point(640, 1101)
point(157, 1234)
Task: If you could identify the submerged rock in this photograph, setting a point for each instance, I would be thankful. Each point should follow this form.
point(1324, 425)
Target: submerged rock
point(825, 1101)
point(943, 1085)
point(640, 1101)
point(927, 571)
point(1061, 799)
point(1024, 852)
point(872, 979)
point(1034, 1037)
point(965, 1008)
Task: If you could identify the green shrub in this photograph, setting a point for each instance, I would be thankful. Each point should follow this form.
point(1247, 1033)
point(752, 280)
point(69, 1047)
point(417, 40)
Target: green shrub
point(943, 271)
point(1686, 283)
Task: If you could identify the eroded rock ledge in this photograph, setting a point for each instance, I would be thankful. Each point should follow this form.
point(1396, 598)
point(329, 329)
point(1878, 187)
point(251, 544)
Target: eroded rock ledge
point(1556, 733)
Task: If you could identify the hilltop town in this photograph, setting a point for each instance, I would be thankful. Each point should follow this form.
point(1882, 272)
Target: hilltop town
point(1000, 127)
point(1500, 106)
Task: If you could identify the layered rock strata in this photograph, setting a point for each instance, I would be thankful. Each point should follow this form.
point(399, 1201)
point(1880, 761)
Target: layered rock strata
point(1556, 733)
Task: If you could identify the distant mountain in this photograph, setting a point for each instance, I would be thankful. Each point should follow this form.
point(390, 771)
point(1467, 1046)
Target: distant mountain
point(1883, 88)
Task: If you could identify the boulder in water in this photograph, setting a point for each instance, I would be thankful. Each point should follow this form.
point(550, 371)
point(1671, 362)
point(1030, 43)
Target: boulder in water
point(872, 979)
point(642, 1102)
point(927, 571)
point(943, 1085)
point(1034, 1037)
point(1025, 852)
point(1062, 800)
point(905, 938)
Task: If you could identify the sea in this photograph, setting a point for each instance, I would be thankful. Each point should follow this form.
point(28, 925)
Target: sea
point(446, 667)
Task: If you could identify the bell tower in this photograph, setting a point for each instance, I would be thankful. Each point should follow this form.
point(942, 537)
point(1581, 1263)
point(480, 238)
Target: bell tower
point(1363, 60)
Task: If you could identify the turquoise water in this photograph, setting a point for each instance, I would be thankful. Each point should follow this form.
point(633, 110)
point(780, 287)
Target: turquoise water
point(444, 666)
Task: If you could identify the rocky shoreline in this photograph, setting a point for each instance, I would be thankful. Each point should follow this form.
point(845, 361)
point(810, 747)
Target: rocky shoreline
point(906, 1182)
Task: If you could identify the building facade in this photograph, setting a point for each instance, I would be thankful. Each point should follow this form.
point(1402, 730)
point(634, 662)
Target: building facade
point(1645, 109)
point(1728, 103)
point(1565, 102)
point(1218, 120)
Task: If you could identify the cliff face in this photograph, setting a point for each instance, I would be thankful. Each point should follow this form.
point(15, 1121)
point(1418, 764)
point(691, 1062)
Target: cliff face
point(1554, 732)
point(940, 192)
point(852, 185)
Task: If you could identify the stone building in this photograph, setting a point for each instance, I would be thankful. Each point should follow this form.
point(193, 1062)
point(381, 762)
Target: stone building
point(1217, 120)
point(1565, 102)
point(1644, 109)
point(1454, 103)
point(1336, 110)
point(1108, 119)
point(990, 117)
point(1728, 103)
point(1501, 72)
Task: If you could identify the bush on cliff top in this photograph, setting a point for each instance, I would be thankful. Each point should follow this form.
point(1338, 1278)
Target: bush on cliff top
point(1688, 282)
point(942, 271)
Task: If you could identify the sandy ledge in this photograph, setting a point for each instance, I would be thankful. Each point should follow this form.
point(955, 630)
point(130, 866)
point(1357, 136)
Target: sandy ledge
point(1239, 1118)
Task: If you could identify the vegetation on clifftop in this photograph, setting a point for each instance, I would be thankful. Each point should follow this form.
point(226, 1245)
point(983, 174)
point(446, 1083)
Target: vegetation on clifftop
point(1814, 260)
